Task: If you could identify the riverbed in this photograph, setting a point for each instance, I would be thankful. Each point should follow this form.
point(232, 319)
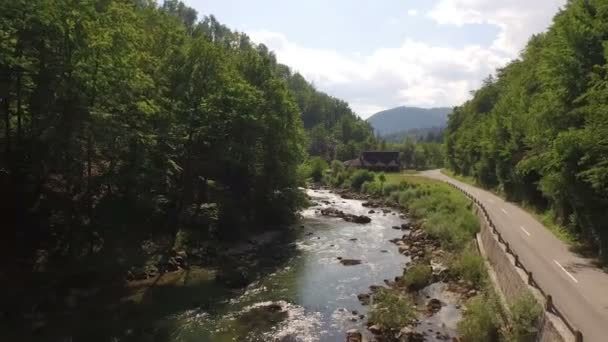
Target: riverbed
point(311, 296)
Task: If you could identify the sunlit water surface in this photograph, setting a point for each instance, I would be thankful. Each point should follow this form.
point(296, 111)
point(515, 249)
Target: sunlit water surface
point(317, 294)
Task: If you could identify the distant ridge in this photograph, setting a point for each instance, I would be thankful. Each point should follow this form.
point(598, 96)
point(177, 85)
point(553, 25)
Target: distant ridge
point(402, 119)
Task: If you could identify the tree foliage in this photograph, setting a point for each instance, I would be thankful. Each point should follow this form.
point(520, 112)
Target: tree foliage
point(129, 107)
point(335, 131)
point(538, 131)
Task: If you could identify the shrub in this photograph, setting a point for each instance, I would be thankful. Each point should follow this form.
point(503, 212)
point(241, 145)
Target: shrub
point(447, 213)
point(525, 317)
point(480, 322)
point(372, 188)
point(336, 167)
point(303, 173)
point(337, 179)
point(417, 277)
point(317, 166)
point(406, 196)
point(359, 177)
point(447, 228)
point(391, 309)
point(389, 188)
point(469, 265)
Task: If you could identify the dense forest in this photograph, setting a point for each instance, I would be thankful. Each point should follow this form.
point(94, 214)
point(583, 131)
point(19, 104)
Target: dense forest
point(538, 131)
point(129, 116)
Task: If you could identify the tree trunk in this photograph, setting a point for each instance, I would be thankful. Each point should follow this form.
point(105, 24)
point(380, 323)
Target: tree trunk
point(18, 138)
point(7, 116)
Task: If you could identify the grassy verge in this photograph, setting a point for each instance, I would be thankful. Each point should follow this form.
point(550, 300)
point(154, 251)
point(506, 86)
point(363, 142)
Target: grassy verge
point(546, 218)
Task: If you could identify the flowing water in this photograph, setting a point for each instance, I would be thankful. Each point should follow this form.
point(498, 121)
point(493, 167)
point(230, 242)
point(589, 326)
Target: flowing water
point(300, 290)
point(311, 296)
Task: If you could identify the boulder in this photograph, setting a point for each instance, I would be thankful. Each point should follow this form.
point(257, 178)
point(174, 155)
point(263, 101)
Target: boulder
point(364, 298)
point(353, 335)
point(350, 262)
point(361, 219)
point(375, 329)
point(434, 305)
point(407, 334)
point(333, 212)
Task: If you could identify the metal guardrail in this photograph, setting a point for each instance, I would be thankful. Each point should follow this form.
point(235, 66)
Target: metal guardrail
point(549, 303)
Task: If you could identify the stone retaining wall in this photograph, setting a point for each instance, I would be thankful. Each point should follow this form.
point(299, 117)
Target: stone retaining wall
point(512, 281)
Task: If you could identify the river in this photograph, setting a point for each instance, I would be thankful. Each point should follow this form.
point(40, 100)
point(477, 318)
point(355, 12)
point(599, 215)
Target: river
point(300, 292)
point(310, 296)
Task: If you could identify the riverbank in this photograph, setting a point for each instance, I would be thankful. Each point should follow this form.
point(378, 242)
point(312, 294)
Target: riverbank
point(445, 226)
point(291, 286)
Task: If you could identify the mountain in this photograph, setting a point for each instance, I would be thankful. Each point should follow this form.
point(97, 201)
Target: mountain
point(402, 119)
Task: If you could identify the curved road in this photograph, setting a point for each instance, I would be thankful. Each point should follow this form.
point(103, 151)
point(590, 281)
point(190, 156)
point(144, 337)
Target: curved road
point(579, 289)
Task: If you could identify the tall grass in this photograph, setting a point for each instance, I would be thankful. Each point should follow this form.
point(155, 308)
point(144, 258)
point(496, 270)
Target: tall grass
point(392, 309)
point(469, 266)
point(482, 320)
point(417, 277)
point(445, 214)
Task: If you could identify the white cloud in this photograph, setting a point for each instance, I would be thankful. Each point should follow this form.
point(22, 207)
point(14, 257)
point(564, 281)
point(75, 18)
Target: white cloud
point(412, 12)
point(516, 19)
point(414, 73)
point(417, 73)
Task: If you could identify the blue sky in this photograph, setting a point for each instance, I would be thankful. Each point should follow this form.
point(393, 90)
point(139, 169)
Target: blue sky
point(381, 54)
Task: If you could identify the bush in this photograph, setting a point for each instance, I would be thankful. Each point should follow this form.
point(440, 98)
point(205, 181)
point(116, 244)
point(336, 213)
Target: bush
point(469, 265)
point(317, 166)
point(448, 229)
point(359, 177)
point(417, 277)
point(336, 167)
point(447, 213)
point(480, 322)
point(391, 309)
point(525, 317)
point(303, 173)
point(389, 188)
point(372, 188)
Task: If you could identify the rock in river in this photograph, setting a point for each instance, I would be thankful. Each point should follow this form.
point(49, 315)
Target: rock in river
point(361, 219)
point(353, 335)
point(364, 298)
point(434, 305)
point(350, 262)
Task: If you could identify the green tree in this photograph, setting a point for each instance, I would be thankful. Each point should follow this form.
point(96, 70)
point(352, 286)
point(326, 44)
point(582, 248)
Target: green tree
point(536, 131)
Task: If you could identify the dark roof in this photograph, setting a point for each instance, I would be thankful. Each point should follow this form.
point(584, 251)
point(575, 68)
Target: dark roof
point(380, 158)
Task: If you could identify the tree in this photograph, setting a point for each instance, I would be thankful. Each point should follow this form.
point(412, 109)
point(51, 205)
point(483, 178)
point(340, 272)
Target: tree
point(536, 130)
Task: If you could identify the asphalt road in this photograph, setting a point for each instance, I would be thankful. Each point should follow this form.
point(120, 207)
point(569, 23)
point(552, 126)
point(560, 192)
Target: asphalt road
point(579, 289)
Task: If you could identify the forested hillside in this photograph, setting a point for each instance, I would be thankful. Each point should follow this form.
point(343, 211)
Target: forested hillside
point(402, 119)
point(127, 116)
point(335, 131)
point(539, 130)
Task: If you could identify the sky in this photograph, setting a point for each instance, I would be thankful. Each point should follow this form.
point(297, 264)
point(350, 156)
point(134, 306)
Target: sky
point(378, 55)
